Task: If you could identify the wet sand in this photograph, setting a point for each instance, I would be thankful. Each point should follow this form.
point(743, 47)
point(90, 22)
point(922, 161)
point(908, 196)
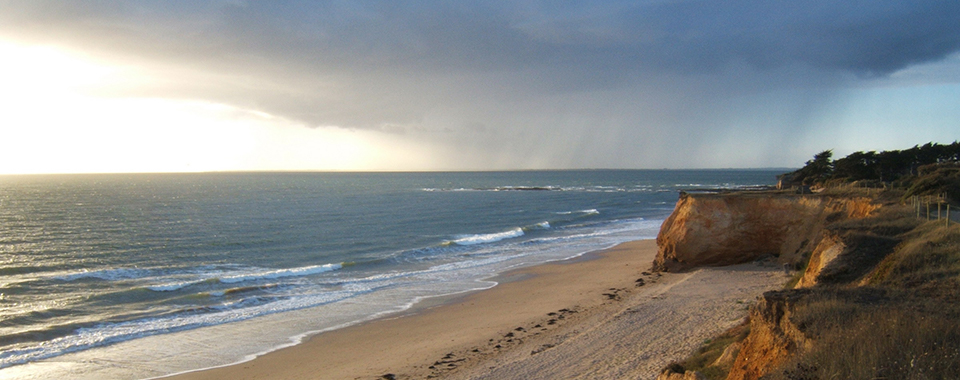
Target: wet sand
point(597, 317)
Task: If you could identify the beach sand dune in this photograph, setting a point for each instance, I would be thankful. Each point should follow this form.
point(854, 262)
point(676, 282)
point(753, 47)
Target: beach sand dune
point(598, 317)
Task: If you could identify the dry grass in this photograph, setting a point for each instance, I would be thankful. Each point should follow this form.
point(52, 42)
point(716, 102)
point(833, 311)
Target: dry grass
point(863, 252)
point(869, 241)
point(929, 260)
point(850, 190)
point(905, 324)
point(870, 333)
point(890, 221)
point(703, 358)
point(939, 180)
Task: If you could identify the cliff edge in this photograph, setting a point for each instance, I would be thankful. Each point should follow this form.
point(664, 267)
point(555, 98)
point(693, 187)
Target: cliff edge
point(725, 229)
point(871, 272)
point(773, 338)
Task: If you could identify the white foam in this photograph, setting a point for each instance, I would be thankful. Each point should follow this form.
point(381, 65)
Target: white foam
point(388, 292)
point(105, 274)
point(489, 238)
point(172, 286)
point(108, 333)
point(280, 273)
point(236, 276)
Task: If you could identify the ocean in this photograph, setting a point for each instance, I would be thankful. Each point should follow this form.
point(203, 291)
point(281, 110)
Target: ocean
point(133, 276)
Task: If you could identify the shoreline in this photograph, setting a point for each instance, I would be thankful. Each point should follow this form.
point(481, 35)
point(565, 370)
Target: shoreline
point(527, 322)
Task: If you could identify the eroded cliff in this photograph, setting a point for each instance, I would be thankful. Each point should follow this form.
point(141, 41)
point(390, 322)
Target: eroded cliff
point(773, 338)
point(868, 264)
point(724, 229)
point(827, 250)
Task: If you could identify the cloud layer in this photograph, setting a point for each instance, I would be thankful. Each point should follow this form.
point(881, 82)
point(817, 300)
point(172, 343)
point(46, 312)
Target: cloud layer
point(528, 83)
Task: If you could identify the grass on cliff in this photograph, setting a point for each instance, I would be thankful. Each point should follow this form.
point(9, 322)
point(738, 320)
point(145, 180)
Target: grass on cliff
point(795, 279)
point(702, 360)
point(904, 325)
point(890, 221)
point(935, 180)
point(867, 333)
point(851, 191)
point(928, 260)
point(869, 241)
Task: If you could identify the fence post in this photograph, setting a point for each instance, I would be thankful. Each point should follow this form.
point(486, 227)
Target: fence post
point(928, 211)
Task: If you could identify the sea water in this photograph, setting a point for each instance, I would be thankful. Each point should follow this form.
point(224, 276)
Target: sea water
point(143, 275)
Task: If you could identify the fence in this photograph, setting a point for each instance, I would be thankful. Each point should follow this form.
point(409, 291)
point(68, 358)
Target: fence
point(931, 207)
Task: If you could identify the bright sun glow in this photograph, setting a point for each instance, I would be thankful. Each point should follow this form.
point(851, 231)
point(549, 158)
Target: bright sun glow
point(52, 123)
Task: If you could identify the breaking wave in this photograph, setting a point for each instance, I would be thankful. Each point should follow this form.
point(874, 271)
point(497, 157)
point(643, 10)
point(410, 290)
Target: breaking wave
point(488, 238)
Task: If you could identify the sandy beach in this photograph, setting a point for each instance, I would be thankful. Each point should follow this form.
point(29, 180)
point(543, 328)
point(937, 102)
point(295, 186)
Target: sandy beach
point(597, 317)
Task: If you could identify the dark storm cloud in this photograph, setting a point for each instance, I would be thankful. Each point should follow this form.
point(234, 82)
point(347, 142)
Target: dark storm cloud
point(872, 37)
point(519, 68)
point(861, 36)
point(875, 37)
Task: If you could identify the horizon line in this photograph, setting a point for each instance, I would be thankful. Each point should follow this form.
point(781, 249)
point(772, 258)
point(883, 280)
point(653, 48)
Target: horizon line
point(388, 171)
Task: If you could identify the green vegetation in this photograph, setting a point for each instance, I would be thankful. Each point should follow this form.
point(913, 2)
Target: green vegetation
point(817, 170)
point(885, 166)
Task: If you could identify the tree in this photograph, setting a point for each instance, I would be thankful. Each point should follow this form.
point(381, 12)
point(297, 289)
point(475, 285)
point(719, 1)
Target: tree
point(856, 166)
point(888, 166)
point(817, 169)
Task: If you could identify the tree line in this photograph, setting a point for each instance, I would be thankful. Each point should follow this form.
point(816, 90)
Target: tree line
point(885, 166)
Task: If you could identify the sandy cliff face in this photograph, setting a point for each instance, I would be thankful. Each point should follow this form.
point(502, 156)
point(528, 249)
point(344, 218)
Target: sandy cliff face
point(773, 337)
point(724, 229)
point(826, 251)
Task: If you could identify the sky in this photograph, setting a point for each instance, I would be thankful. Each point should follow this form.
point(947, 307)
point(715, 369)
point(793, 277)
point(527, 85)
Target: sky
point(186, 86)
